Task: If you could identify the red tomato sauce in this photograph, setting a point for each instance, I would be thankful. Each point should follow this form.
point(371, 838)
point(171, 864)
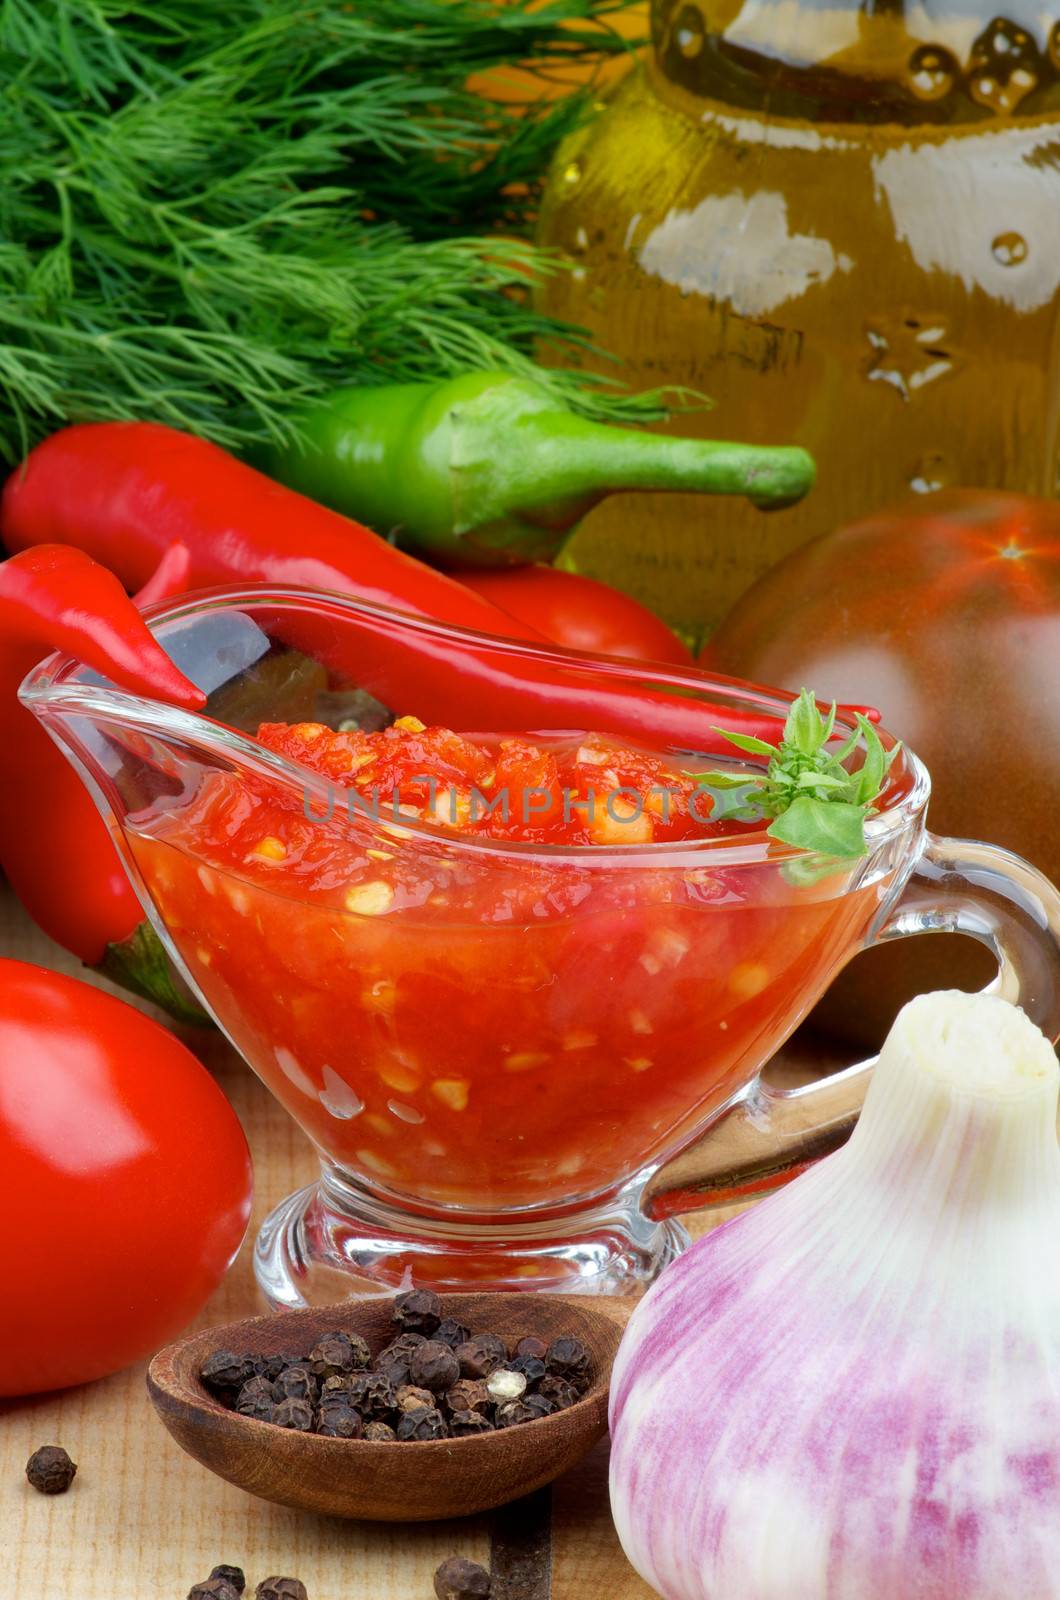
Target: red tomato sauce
point(465, 1024)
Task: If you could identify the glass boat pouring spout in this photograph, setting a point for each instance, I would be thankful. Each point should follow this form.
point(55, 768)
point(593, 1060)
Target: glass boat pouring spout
point(516, 1060)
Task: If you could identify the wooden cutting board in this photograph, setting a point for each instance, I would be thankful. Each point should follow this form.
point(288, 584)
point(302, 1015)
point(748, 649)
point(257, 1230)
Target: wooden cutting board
point(144, 1522)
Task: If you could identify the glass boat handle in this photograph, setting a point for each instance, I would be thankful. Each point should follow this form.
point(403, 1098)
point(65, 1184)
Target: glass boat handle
point(768, 1135)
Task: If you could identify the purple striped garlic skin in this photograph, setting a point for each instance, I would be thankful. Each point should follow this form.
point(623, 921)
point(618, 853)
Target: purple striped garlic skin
point(852, 1391)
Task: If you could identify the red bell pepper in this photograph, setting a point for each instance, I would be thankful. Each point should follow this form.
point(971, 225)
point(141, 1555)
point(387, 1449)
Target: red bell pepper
point(54, 846)
point(580, 613)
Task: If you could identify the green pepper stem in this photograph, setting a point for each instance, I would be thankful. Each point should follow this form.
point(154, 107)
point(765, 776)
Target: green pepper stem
point(568, 457)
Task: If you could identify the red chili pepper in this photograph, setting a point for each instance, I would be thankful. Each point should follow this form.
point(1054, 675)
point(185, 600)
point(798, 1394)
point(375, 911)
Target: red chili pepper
point(126, 493)
point(54, 846)
point(580, 613)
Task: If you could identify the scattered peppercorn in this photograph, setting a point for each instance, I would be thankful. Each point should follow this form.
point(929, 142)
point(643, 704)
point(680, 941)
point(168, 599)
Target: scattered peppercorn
point(235, 1576)
point(281, 1589)
point(481, 1355)
point(434, 1366)
point(50, 1469)
point(468, 1394)
point(379, 1433)
point(457, 1579)
point(559, 1391)
point(427, 1423)
point(505, 1385)
point(294, 1413)
point(418, 1311)
point(568, 1358)
point(451, 1332)
point(214, 1589)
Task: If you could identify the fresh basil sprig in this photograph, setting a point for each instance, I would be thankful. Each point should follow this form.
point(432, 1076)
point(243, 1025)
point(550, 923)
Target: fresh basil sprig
point(815, 803)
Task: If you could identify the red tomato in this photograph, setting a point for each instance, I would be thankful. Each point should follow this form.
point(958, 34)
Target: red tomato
point(580, 613)
point(945, 613)
point(125, 1182)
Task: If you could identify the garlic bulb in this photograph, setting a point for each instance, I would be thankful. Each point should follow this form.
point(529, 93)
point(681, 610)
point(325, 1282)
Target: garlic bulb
point(852, 1391)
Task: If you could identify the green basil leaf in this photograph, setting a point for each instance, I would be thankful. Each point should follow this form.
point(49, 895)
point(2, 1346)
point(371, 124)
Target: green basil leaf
point(747, 741)
point(822, 780)
point(723, 780)
point(739, 801)
point(805, 727)
point(829, 827)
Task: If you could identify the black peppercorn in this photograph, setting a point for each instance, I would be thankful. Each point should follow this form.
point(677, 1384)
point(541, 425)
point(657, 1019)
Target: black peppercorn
point(336, 1386)
point(339, 1421)
point(50, 1469)
point(400, 1348)
point(372, 1394)
point(234, 1575)
point(294, 1413)
point(532, 1368)
point(568, 1358)
point(457, 1579)
point(281, 1589)
point(480, 1355)
point(410, 1398)
point(434, 1366)
point(465, 1424)
point(427, 1423)
point(214, 1589)
point(561, 1393)
point(505, 1385)
point(451, 1332)
point(272, 1366)
point(468, 1394)
point(296, 1383)
point(336, 1354)
point(531, 1346)
point(380, 1433)
point(255, 1394)
point(395, 1359)
point(418, 1311)
point(537, 1404)
point(225, 1373)
point(515, 1412)
point(259, 1408)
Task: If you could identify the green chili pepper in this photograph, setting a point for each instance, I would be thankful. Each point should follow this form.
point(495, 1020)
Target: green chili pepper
point(487, 469)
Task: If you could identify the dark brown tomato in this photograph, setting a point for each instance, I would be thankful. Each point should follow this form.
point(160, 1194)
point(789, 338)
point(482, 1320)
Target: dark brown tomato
point(945, 614)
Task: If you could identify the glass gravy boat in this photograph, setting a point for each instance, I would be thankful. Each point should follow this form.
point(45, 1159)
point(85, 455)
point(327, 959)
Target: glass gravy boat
point(517, 1062)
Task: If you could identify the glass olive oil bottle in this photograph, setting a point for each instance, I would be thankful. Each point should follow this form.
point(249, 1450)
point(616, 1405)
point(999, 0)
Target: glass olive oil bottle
point(842, 223)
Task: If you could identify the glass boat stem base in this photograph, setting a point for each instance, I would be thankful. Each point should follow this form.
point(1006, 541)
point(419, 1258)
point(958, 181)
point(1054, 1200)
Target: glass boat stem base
point(333, 1241)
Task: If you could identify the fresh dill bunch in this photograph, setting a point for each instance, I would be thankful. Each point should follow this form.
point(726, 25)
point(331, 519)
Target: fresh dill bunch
point(210, 214)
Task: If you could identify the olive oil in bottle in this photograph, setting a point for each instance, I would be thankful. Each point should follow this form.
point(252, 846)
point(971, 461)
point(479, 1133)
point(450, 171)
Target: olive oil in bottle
point(841, 223)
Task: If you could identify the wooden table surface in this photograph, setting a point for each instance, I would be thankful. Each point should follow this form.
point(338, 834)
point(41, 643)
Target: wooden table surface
point(144, 1522)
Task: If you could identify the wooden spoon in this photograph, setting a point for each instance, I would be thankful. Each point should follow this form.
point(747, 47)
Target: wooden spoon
point(389, 1482)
